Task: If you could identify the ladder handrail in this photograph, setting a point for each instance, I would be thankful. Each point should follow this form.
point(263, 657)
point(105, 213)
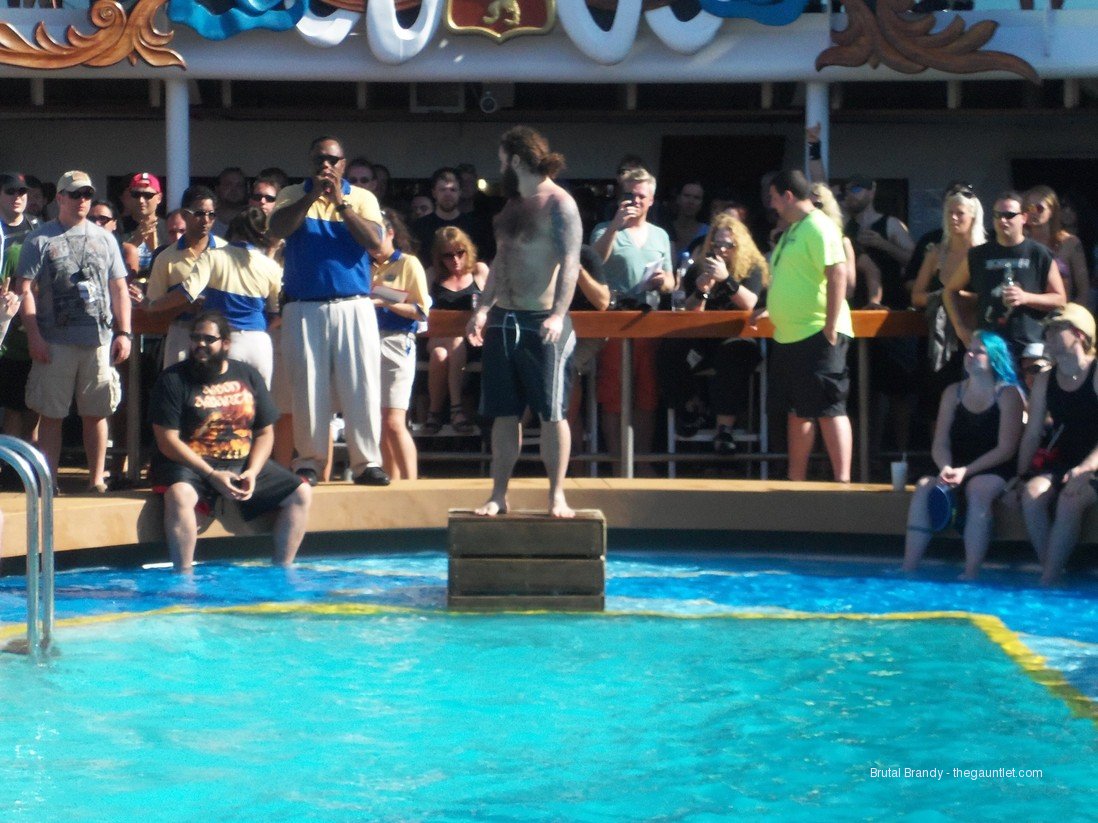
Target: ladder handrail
point(31, 466)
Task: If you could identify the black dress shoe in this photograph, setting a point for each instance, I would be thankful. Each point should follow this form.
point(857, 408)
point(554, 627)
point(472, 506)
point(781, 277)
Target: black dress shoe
point(308, 475)
point(372, 476)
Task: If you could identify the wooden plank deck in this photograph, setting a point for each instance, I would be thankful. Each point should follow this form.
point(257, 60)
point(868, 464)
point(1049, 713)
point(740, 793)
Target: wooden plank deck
point(135, 518)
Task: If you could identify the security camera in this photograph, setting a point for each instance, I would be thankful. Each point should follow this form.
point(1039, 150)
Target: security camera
point(488, 103)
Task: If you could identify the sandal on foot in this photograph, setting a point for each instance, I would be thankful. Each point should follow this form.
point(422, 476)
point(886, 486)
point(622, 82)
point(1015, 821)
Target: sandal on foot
point(460, 423)
point(434, 423)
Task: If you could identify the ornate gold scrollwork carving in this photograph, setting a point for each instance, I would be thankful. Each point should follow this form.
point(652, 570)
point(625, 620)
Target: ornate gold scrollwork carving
point(118, 36)
point(904, 42)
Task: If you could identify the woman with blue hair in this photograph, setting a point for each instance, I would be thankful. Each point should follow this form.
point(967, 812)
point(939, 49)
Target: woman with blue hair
point(975, 441)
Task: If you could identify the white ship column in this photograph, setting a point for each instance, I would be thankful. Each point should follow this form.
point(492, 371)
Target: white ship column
point(817, 109)
point(177, 129)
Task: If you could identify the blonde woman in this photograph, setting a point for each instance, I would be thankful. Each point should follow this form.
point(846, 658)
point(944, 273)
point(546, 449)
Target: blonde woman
point(962, 229)
point(1043, 224)
point(824, 199)
point(456, 278)
point(731, 275)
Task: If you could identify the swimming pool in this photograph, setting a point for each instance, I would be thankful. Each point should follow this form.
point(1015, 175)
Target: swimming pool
point(716, 685)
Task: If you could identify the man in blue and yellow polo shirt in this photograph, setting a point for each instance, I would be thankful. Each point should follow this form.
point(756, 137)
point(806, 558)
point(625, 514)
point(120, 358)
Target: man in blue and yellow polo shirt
point(329, 338)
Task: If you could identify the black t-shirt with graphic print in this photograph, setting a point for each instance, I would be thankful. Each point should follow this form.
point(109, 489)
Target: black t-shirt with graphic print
point(1028, 263)
point(216, 419)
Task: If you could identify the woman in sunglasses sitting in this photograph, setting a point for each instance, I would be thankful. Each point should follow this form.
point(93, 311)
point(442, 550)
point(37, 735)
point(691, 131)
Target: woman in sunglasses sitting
point(975, 440)
point(456, 278)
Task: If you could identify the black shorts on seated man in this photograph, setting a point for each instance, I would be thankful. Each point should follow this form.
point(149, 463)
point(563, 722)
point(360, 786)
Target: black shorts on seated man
point(214, 424)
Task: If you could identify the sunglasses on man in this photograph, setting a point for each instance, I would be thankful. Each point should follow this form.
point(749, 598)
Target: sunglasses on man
point(330, 159)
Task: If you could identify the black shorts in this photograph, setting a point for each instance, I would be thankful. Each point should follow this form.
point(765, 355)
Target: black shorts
point(520, 369)
point(13, 383)
point(810, 377)
point(273, 485)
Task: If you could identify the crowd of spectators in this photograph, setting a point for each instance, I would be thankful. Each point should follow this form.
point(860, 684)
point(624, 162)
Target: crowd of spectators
point(247, 246)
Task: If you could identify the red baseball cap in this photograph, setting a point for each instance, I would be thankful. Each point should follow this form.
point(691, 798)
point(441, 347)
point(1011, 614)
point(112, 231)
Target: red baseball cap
point(144, 180)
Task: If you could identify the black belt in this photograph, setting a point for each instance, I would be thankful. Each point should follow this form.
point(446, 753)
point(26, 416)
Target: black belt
point(289, 300)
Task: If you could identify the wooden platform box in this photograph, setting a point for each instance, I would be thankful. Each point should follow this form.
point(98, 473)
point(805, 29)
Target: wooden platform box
point(527, 560)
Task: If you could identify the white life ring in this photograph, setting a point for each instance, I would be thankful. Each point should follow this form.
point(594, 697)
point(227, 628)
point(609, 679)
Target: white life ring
point(328, 31)
point(683, 36)
point(606, 47)
point(392, 43)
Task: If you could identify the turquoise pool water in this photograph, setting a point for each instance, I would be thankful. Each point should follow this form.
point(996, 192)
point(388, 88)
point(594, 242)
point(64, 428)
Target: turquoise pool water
point(675, 707)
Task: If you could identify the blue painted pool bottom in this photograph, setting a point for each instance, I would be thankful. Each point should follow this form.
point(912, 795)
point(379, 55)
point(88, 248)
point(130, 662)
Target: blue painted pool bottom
point(299, 716)
point(397, 716)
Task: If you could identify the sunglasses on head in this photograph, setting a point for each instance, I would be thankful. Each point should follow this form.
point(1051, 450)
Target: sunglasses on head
point(81, 194)
point(263, 198)
point(101, 219)
point(16, 192)
point(142, 195)
point(1005, 215)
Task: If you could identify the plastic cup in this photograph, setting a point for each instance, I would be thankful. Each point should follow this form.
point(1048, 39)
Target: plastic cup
point(899, 475)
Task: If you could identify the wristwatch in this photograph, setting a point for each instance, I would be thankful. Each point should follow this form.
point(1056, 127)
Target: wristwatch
point(701, 295)
point(127, 334)
point(342, 207)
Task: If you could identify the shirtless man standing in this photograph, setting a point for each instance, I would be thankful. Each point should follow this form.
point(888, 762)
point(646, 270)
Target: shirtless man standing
point(522, 321)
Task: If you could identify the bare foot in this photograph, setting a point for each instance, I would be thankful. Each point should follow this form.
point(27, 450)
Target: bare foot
point(558, 507)
point(492, 508)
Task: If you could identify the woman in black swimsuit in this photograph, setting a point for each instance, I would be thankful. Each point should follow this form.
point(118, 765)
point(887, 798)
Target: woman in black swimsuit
point(456, 278)
point(975, 440)
point(1060, 486)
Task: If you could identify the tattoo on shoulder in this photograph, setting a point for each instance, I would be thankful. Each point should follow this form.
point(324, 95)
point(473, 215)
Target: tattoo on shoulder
point(567, 227)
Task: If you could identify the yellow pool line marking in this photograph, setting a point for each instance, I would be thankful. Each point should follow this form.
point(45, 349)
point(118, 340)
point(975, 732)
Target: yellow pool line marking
point(1033, 664)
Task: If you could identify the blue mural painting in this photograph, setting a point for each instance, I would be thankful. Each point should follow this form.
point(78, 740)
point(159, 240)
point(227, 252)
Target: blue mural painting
point(768, 12)
point(222, 19)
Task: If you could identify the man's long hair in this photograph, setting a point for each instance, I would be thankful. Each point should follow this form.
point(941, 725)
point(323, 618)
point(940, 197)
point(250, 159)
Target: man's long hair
point(533, 150)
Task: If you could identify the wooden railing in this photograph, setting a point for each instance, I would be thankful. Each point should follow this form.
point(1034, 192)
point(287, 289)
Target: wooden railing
point(631, 325)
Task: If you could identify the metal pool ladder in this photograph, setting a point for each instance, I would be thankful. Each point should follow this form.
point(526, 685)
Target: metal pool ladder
point(31, 466)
